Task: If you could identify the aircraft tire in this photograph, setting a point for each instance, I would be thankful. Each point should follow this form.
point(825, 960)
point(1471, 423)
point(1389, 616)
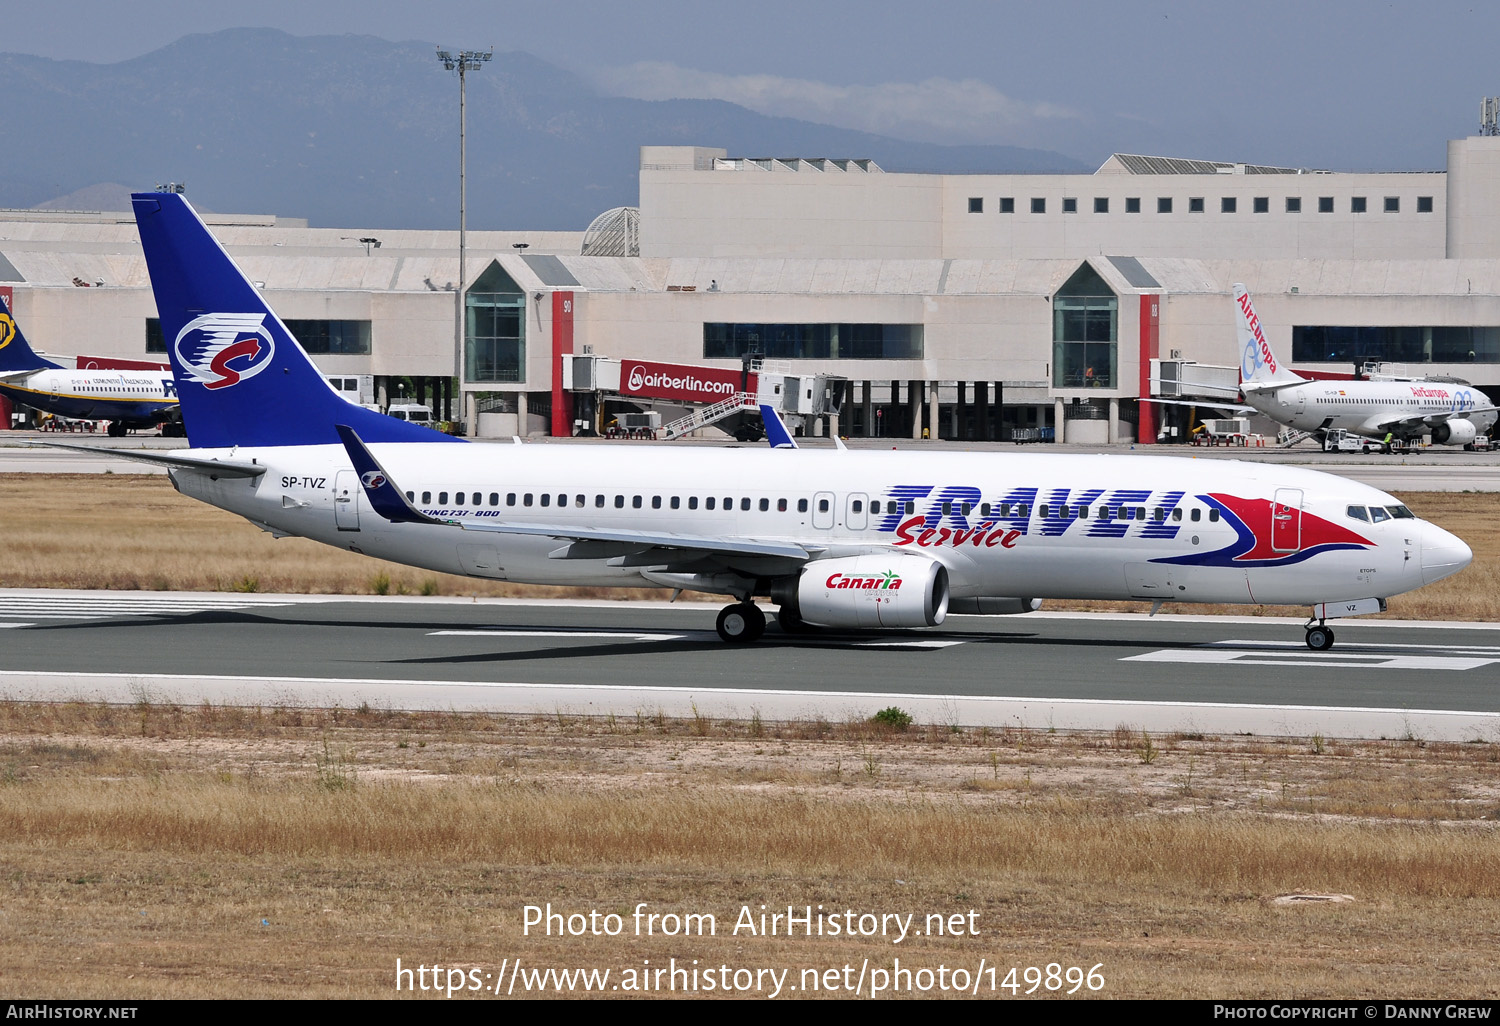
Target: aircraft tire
point(1320, 639)
point(741, 623)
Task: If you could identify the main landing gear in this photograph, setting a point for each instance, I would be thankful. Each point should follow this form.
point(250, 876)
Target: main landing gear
point(1320, 637)
point(741, 623)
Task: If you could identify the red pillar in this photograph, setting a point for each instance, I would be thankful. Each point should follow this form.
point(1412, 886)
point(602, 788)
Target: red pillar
point(562, 345)
point(1150, 350)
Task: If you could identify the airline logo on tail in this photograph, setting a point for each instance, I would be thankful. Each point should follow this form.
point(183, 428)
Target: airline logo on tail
point(7, 330)
point(1257, 350)
point(222, 349)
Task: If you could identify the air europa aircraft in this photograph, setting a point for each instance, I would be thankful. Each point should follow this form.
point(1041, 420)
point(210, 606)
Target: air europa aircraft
point(835, 538)
point(1453, 413)
point(126, 398)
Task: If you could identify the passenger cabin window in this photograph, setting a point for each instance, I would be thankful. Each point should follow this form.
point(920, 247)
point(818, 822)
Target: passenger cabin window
point(692, 502)
point(526, 499)
point(1177, 514)
point(1197, 515)
point(765, 506)
point(708, 503)
point(619, 502)
point(745, 503)
point(781, 505)
point(442, 498)
point(801, 505)
point(494, 498)
point(822, 505)
point(635, 502)
point(676, 502)
point(1213, 516)
point(510, 498)
point(656, 502)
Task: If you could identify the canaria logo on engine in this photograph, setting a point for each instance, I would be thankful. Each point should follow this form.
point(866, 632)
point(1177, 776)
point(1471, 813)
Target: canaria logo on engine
point(7, 330)
point(223, 349)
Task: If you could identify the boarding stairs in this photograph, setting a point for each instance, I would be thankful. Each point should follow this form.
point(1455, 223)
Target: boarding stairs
point(1289, 437)
point(710, 414)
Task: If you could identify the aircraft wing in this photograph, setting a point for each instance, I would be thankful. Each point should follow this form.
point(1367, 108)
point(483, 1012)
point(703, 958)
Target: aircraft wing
point(1430, 420)
point(221, 468)
point(586, 542)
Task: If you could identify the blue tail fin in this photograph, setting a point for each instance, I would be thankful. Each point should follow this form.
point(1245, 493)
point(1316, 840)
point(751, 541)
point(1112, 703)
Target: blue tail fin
point(241, 376)
point(15, 353)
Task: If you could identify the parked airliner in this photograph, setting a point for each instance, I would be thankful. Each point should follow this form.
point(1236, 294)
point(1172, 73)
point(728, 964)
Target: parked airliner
point(1452, 413)
point(126, 398)
point(835, 538)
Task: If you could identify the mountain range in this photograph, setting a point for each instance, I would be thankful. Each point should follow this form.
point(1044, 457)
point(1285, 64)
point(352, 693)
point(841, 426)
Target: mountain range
point(358, 131)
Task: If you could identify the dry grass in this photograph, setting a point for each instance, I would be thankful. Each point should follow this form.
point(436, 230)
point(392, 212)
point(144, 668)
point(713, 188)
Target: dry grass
point(133, 532)
point(211, 851)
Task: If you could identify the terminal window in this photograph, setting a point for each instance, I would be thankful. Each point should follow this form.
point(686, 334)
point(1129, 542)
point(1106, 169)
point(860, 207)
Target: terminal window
point(724, 341)
point(1007, 204)
point(1132, 204)
point(1393, 204)
point(1294, 204)
point(1070, 206)
point(1262, 204)
point(1101, 204)
point(316, 336)
point(976, 204)
point(1164, 204)
point(1038, 205)
point(1228, 205)
point(1195, 204)
point(1424, 204)
point(1437, 344)
point(1325, 204)
point(1357, 205)
point(1085, 326)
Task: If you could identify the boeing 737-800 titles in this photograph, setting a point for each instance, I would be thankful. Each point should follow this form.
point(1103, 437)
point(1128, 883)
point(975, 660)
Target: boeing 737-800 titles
point(126, 398)
point(834, 538)
point(1452, 413)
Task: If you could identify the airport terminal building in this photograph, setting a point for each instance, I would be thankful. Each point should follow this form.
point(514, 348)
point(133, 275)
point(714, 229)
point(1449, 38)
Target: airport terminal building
point(955, 306)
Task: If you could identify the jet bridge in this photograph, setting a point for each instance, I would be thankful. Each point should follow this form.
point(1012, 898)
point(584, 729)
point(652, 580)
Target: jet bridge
point(727, 397)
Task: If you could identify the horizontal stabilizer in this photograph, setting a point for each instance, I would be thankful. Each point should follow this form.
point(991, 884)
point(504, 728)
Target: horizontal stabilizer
point(213, 467)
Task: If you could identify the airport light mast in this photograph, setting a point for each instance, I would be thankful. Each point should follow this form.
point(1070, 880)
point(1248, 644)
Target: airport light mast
point(462, 62)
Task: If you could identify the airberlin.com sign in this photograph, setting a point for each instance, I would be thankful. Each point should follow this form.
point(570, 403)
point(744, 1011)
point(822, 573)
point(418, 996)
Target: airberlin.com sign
point(676, 381)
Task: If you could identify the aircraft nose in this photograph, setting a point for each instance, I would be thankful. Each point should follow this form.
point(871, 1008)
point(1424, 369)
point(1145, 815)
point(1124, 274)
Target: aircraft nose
point(1443, 554)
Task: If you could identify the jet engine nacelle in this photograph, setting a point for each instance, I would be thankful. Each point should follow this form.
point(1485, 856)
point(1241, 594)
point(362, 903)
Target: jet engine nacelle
point(876, 590)
point(1455, 432)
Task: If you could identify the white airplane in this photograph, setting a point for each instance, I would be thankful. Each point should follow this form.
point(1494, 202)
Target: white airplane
point(1453, 414)
point(126, 398)
point(835, 538)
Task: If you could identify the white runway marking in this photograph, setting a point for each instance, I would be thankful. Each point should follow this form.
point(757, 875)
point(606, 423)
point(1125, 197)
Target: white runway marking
point(617, 635)
point(1363, 656)
point(907, 644)
point(4, 625)
point(93, 607)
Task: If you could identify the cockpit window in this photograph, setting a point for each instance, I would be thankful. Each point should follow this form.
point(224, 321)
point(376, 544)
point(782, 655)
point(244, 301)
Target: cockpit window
point(1377, 514)
point(1401, 513)
point(1358, 513)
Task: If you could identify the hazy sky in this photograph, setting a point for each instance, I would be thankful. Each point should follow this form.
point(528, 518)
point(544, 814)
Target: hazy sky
point(1342, 84)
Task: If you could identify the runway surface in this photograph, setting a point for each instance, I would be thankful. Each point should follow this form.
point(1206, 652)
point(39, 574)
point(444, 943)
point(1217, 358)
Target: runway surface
point(1097, 671)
